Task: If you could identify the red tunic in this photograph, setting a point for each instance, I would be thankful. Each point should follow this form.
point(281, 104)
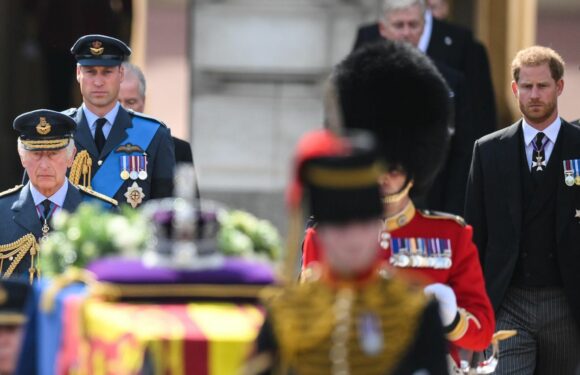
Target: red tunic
point(464, 275)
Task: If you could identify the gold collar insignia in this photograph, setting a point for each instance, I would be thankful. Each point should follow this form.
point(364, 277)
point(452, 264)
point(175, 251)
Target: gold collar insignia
point(401, 219)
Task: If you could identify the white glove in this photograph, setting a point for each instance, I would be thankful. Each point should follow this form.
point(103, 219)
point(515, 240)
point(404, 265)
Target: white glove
point(447, 301)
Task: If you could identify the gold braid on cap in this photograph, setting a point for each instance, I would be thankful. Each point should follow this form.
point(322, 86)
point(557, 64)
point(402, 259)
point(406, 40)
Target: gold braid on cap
point(82, 167)
point(397, 197)
point(16, 251)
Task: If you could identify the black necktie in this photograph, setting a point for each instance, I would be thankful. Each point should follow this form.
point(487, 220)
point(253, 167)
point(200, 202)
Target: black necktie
point(99, 135)
point(46, 212)
point(538, 156)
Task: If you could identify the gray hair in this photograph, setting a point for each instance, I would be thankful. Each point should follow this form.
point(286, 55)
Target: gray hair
point(392, 5)
point(70, 148)
point(138, 73)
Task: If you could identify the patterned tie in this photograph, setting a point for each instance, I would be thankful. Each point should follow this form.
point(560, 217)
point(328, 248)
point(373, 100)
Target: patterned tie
point(99, 135)
point(538, 156)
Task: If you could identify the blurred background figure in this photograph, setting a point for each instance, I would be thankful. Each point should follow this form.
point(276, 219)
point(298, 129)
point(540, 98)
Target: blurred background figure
point(132, 96)
point(13, 298)
point(439, 8)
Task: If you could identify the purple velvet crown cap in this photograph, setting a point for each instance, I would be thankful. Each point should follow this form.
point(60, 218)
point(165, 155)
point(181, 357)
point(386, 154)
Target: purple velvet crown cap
point(232, 271)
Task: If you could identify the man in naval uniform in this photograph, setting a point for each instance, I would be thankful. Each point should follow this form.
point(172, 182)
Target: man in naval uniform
point(127, 156)
point(46, 150)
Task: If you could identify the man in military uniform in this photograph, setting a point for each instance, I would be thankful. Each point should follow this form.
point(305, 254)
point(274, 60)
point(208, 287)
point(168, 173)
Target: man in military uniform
point(436, 246)
point(351, 315)
point(127, 156)
point(13, 298)
point(46, 150)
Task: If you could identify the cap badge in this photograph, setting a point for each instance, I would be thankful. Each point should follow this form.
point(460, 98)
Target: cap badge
point(97, 48)
point(43, 127)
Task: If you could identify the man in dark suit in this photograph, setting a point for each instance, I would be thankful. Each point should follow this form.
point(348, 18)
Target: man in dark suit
point(132, 96)
point(523, 201)
point(454, 46)
point(46, 150)
point(406, 24)
point(128, 156)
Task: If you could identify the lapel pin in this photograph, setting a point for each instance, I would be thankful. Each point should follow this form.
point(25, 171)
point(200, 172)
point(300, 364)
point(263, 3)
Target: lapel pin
point(577, 215)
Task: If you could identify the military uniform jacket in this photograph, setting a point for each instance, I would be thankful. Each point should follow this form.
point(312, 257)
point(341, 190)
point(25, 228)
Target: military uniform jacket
point(446, 239)
point(321, 327)
point(160, 153)
point(496, 209)
point(19, 217)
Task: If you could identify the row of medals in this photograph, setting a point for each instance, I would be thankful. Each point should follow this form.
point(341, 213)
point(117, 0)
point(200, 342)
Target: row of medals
point(405, 259)
point(140, 174)
point(570, 180)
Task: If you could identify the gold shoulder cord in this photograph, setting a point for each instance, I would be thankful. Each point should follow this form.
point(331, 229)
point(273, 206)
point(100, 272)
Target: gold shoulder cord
point(16, 251)
point(82, 167)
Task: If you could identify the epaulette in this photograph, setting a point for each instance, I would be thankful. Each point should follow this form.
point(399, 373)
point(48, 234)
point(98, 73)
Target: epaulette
point(95, 194)
point(11, 190)
point(443, 215)
point(142, 115)
point(70, 112)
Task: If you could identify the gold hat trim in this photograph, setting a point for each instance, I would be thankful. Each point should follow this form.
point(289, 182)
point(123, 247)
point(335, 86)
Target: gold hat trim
point(45, 144)
point(353, 178)
point(12, 319)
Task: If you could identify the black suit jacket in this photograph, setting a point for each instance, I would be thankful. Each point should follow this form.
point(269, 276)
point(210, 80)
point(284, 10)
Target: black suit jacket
point(495, 210)
point(448, 43)
point(455, 47)
point(183, 152)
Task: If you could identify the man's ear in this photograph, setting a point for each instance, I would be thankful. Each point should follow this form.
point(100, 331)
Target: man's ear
point(560, 86)
point(78, 73)
point(71, 159)
point(383, 28)
point(515, 89)
point(122, 72)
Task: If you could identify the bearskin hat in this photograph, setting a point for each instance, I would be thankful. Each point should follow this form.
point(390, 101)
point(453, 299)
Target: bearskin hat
point(395, 91)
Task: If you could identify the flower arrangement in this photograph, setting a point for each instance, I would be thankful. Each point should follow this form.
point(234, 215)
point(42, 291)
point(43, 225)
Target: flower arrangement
point(243, 234)
point(91, 233)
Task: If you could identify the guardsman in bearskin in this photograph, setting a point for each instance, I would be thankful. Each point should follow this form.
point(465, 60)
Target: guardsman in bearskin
point(397, 94)
point(353, 316)
point(46, 149)
point(122, 154)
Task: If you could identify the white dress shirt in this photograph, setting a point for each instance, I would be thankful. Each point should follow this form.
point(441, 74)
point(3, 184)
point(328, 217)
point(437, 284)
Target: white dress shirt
point(427, 31)
point(57, 198)
point(92, 119)
point(551, 133)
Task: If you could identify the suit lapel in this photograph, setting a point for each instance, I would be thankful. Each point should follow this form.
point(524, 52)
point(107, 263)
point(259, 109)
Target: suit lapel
point(25, 213)
point(565, 208)
point(508, 162)
point(118, 132)
point(83, 134)
point(73, 198)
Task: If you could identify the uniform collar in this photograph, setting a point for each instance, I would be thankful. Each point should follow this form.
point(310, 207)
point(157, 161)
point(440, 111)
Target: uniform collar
point(402, 218)
point(91, 117)
point(551, 131)
point(57, 198)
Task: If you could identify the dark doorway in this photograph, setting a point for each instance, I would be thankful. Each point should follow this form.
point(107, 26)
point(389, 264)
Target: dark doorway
point(36, 67)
